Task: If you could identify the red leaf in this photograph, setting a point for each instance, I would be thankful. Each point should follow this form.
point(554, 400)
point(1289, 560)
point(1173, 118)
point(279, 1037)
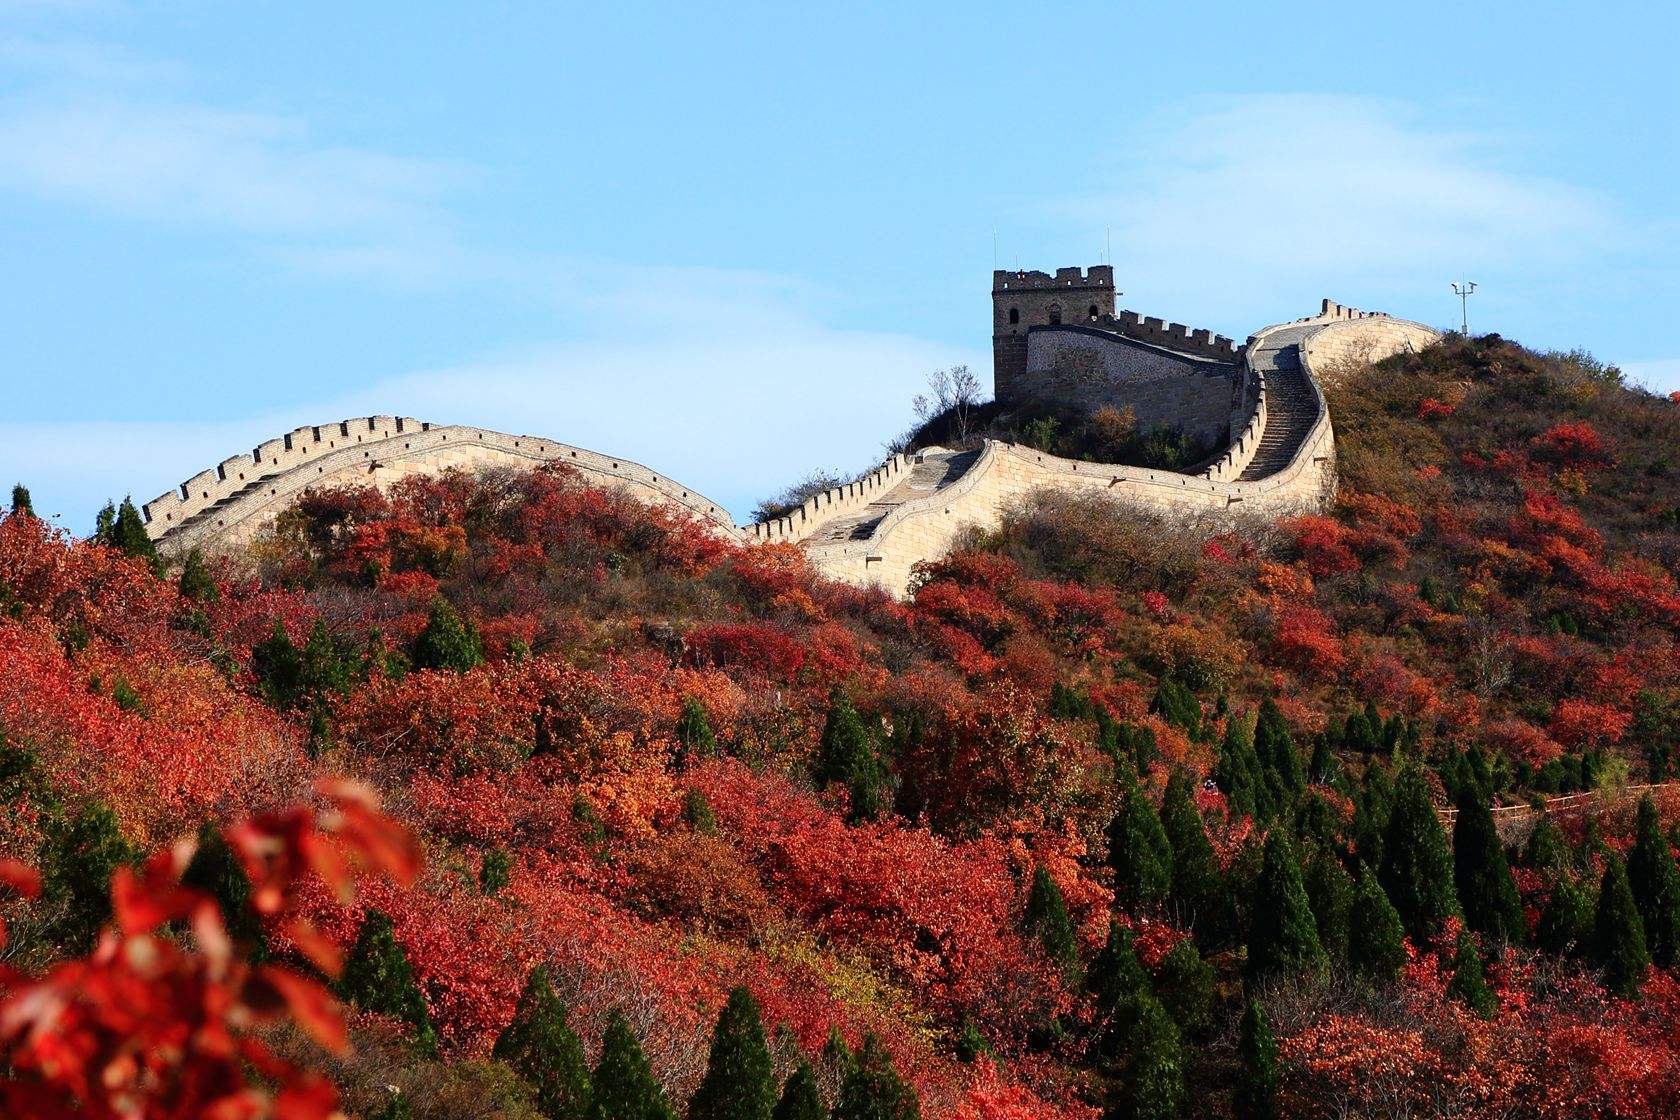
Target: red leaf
point(313, 1008)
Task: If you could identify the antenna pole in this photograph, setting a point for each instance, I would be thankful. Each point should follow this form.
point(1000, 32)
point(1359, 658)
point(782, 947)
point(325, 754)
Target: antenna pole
point(1463, 291)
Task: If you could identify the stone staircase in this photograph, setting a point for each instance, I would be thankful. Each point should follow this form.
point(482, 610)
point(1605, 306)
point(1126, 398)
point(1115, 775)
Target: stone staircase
point(1291, 407)
point(935, 469)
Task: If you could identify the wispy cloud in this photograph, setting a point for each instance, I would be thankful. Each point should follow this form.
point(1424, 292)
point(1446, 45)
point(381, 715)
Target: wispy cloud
point(1221, 202)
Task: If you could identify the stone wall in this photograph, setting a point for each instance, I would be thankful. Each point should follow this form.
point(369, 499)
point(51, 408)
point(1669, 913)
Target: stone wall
point(1022, 300)
point(1095, 368)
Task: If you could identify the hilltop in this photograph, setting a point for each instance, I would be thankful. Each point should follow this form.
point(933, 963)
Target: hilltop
point(1040, 828)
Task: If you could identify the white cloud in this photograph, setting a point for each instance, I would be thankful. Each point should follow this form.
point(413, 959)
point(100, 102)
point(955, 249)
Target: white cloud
point(1226, 202)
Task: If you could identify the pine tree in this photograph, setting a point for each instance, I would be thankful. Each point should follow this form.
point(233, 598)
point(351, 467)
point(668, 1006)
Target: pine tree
point(1417, 868)
point(1138, 852)
point(1276, 748)
point(448, 641)
point(1184, 985)
point(800, 1099)
point(195, 583)
point(1151, 1084)
point(1371, 813)
point(1468, 984)
point(494, 871)
point(377, 977)
point(739, 1082)
point(1178, 706)
point(1546, 848)
point(1283, 936)
point(873, 1090)
point(848, 755)
point(1116, 976)
point(1198, 886)
point(1239, 775)
point(1481, 872)
point(838, 1061)
point(78, 857)
point(21, 502)
point(1655, 882)
point(1376, 935)
point(1324, 769)
point(1617, 945)
point(1330, 893)
point(539, 1046)
point(1046, 918)
point(125, 530)
point(697, 813)
point(277, 665)
point(694, 731)
point(623, 1085)
point(217, 871)
point(1256, 1095)
point(1567, 921)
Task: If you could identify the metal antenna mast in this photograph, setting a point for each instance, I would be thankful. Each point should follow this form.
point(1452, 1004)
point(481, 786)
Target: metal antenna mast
point(1462, 291)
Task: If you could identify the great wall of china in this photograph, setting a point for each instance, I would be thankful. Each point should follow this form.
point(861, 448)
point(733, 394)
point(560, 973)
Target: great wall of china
point(1279, 456)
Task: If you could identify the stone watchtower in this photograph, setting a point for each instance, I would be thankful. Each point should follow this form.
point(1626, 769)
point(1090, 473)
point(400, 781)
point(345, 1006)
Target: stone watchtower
point(1031, 299)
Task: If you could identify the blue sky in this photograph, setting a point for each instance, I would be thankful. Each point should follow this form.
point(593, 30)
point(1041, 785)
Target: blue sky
point(731, 241)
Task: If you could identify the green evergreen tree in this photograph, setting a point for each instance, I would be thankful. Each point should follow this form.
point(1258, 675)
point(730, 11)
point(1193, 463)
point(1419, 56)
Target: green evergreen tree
point(448, 641)
point(1617, 944)
point(1481, 872)
point(848, 754)
point(1138, 851)
point(1116, 976)
point(216, 870)
point(838, 1061)
point(494, 871)
point(1198, 886)
point(21, 502)
point(196, 584)
point(1376, 935)
point(1655, 883)
point(1417, 867)
point(740, 1081)
point(1184, 985)
point(377, 977)
point(1567, 920)
point(1046, 918)
point(1283, 936)
point(396, 1108)
point(873, 1090)
point(623, 1086)
point(800, 1099)
point(1546, 848)
point(1239, 775)
point(1330, 894)
point(694, 731)
point(78, 856)
point(1276, 749)
point(697, 813)
point(1256, 1095)
point(1151, 1082)
point(1371, 813)
point(1324, 769)
point(1178, 706)
point(1468, 984)
point(277, 664)
point(125, 530)
point(322, 670)
point(540, 1047)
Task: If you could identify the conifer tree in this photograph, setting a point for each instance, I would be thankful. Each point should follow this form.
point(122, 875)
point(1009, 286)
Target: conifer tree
point(1151, 1083)
point(1417, 868)
point(697, 813)
point(1184, 985)
point(800, 1099)
point(1046, 918)
point(1376, 935)
point(123, 528)
point(195, 583)
point(1276, 748)
point(623, 1086)
point(494, 871)
point(1481, 872)
point(219, 873)
point(1468, 984)
point(1178, 706)
point(1283, 936)
point(694, 731)
point(1239, 775)
point(1198, 886)
point(1138, 852)
point(377, 977)
point(277, 665)
point(1655, 882)
point(78, 857)
point(1617, 945)
point(1546, 848)
point(1372, 809)
point(1567, 920)
point(739, 1082)
point(848, 755)
point(1324, 769)
point(1330, 893)
point(540, 1047)
point(873, 1090)
point(837, 1058)
point(21, 502)
point(396, 1108)
point(1116, 976)
point(448, 641)
point(1256, 1095)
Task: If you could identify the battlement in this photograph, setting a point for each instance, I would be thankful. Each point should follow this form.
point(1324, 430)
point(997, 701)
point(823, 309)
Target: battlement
point(1016, 280)
point(1202, 342)
point(1330, 309)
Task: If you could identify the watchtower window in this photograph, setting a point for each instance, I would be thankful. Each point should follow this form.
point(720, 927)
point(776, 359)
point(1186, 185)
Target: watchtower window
point(1093, 313)
point(1055, 312)
point(1014, 315)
